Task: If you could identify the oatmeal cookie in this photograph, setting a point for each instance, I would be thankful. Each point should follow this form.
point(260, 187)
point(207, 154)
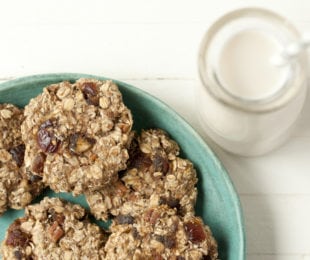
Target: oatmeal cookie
point(155, 176)
point(159, 233)
point(76, 135)
point(54, 229)
point(17, 188)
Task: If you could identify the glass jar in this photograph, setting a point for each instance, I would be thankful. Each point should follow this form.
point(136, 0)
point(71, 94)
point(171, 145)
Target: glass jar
point(247, 106)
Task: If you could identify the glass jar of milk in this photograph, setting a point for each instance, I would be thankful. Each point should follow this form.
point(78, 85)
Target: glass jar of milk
point(247, 104)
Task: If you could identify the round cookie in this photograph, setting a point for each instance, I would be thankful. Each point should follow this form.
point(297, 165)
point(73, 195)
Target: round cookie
point(76, 135)
point(155, 176)
point(17, 187)
point(159, 233)
point(54, 229)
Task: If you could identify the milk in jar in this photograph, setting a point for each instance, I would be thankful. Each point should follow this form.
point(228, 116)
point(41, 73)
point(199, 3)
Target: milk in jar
point(245, 103)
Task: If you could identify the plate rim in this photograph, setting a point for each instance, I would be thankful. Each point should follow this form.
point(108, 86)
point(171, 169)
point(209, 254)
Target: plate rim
point(228, 181)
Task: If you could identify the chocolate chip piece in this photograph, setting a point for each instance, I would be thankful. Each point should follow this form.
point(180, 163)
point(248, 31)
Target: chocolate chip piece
point(140, 161)
point(135, 233)
point(35, 178)
point(53, 216)
point(38, 163)
point(171, 202)
point(180, 257)
point(167, 241)
point(18, 153)
point(47, 141)
point(160, 164)
point(206, 257)
point(46, 138)
point(90, 93)
point(47, 123)
point(133, 148)
point(18, 255)
point(79, 143)
point(162, 201)
point(16, 237)
point(125, 219)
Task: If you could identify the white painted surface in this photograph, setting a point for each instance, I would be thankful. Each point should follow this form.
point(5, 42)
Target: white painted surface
point(153, 45)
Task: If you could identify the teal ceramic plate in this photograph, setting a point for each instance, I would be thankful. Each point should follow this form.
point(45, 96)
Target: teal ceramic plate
point(217, 203)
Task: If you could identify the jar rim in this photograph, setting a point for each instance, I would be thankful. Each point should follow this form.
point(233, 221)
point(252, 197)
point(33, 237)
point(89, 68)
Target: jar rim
point(274, 102)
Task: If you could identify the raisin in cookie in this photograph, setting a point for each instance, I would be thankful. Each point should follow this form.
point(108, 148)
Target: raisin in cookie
point(76, 135)
point(159, 233)
point(54, 229)
point(155, 176)
point(17, 187)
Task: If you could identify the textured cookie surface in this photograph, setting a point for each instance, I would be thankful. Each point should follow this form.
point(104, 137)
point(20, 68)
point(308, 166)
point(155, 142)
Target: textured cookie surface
point(54, 229)
point(155, 176)
point(76, 135)
point(159, 233)
point(17, 188)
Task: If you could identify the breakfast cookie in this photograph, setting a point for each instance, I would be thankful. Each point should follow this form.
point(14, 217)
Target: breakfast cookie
point(17, 187)
point(54, 229)
point(76, 135)
point(159, 233)
point(155, 176)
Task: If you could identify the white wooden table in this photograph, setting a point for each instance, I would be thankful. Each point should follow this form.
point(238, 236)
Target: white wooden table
point(153, 45)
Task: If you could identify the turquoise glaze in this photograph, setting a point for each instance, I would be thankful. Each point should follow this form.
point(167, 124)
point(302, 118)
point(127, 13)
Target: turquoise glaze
point(217, 202)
